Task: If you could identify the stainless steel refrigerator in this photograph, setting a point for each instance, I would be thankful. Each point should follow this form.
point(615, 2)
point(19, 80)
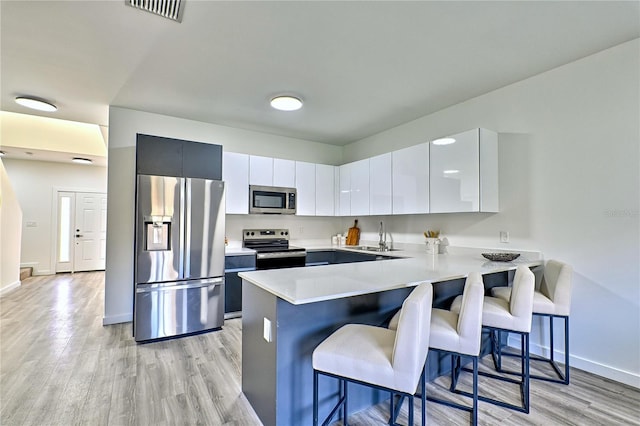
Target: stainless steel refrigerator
point(179, 245)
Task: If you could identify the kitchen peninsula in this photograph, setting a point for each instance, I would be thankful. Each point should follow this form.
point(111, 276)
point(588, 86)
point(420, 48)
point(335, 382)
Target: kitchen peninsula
point(288, 312)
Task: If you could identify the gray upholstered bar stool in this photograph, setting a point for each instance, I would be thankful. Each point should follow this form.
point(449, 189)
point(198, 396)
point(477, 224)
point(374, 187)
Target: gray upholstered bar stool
point(512, 316)
point(458, 335)
point(377, 357)
point(552, 300)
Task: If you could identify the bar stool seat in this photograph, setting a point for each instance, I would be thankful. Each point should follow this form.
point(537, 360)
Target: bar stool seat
point(389, 360)
point(553, 300)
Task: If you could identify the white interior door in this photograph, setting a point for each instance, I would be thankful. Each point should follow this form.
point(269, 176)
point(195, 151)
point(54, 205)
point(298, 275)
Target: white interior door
point(90, 231)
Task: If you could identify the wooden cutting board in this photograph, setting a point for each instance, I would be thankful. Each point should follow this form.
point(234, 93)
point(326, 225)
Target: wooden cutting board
point(353, 236)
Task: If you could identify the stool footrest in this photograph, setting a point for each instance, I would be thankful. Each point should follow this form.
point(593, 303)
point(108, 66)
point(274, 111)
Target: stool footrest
point(496, 376)
point(561, 376)
point(520, 408)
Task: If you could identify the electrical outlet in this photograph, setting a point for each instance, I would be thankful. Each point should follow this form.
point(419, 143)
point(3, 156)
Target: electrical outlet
point(504, 236)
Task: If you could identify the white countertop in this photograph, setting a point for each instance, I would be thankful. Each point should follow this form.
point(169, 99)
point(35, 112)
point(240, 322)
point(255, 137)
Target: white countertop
point(238, 251)
point(317, 283)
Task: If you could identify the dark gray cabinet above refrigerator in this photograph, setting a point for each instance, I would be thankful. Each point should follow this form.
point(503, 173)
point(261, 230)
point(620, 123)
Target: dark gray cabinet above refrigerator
point(162, 156)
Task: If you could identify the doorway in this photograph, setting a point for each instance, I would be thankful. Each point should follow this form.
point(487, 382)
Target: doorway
point(81, 231)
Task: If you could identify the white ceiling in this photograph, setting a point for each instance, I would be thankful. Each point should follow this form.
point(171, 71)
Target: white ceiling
point(361, 67)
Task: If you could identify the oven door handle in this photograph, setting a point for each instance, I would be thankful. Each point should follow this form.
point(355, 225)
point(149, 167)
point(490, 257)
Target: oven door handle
point(281, 255)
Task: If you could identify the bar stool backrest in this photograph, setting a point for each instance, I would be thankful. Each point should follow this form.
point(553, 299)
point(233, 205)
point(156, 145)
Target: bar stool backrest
point(557, 285)
point(469, 326)
point(521, 300)
point(412, 338)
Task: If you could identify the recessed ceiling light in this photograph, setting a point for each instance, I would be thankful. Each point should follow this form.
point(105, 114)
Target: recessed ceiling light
point(444, 141)
point(81, 160)
point(286, 103)
point(35, 103)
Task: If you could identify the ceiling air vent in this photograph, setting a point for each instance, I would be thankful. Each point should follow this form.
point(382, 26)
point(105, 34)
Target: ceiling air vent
point(170, 9)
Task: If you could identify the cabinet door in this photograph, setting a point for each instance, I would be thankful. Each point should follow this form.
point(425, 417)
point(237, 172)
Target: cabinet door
point(410, 170)
point(201, 160)
point(455, 174)
point(235, 173)
point(260, 170)
point(380, 184)
point(158, 156)
point(324, 190)
point(488, 171)
point(360, 188)
point(284, 173)
point(344, 186)
point(306, 186)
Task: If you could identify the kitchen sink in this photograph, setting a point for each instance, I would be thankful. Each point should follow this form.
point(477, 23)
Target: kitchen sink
point(372, 248)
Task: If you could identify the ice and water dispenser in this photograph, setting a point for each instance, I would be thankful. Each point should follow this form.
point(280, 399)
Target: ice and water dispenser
point(157, 232)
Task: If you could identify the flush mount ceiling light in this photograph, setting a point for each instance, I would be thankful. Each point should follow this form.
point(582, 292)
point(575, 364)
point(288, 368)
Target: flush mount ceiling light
point(35, 103)
point(170, 9)
point(80, 160)
point(444, 141)
point(286, 103)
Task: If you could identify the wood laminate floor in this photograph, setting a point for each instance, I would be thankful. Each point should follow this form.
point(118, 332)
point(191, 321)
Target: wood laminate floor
point(60, 366)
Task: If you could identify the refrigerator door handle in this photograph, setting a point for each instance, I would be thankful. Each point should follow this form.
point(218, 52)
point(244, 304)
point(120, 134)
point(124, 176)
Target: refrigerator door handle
point(182, 286)
point(181, 249)
point(187, 231)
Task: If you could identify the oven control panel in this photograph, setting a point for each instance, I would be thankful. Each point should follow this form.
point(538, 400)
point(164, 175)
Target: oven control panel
point(265, 234)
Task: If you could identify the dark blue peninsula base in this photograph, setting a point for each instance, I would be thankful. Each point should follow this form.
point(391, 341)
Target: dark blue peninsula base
point(277, 376)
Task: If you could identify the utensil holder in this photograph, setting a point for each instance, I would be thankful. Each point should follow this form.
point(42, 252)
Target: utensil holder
point(433, 245)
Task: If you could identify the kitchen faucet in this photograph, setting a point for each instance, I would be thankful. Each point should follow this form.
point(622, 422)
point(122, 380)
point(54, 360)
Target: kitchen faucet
point(382, 244)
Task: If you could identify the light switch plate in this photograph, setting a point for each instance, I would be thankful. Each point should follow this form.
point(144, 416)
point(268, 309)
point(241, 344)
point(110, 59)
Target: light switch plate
point(504, 236)
point(266, 333)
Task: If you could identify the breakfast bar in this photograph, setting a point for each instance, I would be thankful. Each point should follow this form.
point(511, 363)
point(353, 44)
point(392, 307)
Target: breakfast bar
point(288, 312)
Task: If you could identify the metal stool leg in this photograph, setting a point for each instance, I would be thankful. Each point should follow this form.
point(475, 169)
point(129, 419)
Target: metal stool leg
point(315, 398)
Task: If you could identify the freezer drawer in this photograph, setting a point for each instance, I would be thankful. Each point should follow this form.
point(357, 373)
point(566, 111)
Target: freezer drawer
point(172, 309)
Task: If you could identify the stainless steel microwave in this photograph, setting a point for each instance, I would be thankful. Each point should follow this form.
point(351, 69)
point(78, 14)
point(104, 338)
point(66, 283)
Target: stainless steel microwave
point(272, 200)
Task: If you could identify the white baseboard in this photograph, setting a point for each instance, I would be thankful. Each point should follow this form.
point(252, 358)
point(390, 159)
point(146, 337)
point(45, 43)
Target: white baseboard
point(607, 371)
point(10, 287)
point(117, 319)
point(35, 270)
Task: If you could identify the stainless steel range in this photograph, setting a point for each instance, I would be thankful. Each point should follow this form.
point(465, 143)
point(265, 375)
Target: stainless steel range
point(272, 248)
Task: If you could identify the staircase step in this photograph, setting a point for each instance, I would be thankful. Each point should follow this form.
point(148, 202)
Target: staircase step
point(26, 273)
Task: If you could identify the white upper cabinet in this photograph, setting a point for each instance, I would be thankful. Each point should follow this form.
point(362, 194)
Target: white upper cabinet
point(380, 184)
point(325, 190)
point(272, 171)
point(260, 170)
point(455, 172)
point(360, 188)
point(235, 173)
point(344, 190)
point(284, 173)
point(410, 177)
point(306, 186)
point(489, 201)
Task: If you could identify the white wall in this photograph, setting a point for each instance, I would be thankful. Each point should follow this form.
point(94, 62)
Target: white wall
point(123, 126)
point(35, 184)
point(569, 143)
point(10, 233)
